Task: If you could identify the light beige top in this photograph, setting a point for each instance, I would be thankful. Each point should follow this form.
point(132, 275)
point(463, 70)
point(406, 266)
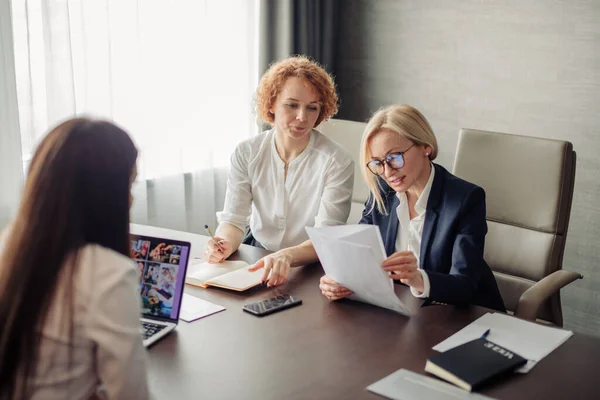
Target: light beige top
point(317, 190)
point(107, 347)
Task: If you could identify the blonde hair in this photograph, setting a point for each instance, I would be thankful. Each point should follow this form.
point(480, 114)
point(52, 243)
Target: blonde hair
point(409, 123)
point(302, 67)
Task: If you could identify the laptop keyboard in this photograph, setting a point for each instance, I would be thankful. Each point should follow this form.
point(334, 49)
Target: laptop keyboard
point(149, 329)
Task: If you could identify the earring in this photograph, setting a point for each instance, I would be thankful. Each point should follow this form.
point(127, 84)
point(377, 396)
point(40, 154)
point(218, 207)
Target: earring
point(427, 154)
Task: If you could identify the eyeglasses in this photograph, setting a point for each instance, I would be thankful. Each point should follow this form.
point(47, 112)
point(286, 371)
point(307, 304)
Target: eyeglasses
point(393, 160)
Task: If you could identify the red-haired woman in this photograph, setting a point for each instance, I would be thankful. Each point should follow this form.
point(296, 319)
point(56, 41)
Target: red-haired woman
point(286, 178)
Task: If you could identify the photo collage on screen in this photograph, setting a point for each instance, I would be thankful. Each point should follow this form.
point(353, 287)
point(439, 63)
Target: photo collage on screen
point(157, 268)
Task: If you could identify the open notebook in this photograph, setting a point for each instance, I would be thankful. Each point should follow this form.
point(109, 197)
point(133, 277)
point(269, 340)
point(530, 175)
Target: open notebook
point(233, 275)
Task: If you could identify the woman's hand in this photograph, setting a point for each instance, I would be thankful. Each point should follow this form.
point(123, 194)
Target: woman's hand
point(333, 290)
point(403, 266)
point(277, 264)
point(217, 251)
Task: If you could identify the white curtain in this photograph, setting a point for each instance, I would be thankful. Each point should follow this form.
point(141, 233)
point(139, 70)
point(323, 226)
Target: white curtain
point(11, 172)
point(177, 75)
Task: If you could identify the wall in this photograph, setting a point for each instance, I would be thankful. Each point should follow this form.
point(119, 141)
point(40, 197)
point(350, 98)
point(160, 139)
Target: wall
point(525, 67)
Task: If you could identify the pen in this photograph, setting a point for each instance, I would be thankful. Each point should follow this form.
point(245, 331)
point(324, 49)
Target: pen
point(212, 236)
point(485, 334)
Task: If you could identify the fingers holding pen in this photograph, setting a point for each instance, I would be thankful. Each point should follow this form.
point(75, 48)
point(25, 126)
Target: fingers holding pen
point(217, 250)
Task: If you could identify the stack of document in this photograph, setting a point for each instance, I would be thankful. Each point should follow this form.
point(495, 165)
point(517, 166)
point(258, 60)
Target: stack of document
point(530, 340)
point(352, 255)
point(407, 385)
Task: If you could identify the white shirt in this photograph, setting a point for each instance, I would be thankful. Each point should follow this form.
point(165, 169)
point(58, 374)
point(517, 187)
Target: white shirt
point(107, 345)
point(410, 231)
point(316, 192)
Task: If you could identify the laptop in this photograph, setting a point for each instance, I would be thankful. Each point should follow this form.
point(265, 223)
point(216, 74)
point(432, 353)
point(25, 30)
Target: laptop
point(161, 266)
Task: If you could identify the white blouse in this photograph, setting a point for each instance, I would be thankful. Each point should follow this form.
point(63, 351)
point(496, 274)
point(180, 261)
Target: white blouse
point(317, 191)
point(107, 349)
point(410, 231)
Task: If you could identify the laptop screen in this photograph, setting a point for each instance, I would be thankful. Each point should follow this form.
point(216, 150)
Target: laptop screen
point(161, 266)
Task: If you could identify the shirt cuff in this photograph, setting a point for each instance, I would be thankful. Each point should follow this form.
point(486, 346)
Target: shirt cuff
point(426, 286)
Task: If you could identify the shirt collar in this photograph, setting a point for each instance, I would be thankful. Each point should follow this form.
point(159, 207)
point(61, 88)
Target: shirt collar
point(305, 152)
point(421, 204)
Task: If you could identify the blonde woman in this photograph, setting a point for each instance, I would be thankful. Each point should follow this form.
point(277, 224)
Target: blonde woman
point(286, 178)
point(432, 223)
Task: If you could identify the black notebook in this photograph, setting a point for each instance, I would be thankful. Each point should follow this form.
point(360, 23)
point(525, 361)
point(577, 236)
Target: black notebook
point(474, 363)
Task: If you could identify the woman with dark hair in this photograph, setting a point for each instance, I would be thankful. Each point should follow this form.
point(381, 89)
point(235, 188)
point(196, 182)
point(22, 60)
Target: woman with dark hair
point(69, 308)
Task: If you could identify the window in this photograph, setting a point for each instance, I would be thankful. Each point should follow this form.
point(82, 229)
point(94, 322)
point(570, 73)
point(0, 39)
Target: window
point(178, 76)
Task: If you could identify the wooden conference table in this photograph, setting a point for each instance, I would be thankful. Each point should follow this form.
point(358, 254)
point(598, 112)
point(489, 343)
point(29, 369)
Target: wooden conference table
point(329, 350)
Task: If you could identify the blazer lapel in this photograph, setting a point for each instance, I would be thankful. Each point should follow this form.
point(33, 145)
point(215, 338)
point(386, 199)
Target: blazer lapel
point(431, 214)
point(392, 229)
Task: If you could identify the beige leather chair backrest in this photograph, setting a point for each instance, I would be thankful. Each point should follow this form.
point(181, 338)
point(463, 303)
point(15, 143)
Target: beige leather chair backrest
point(529, 187)
point(349, 134)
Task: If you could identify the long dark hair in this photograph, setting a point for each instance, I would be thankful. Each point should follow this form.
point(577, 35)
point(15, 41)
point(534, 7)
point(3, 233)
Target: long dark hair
point(76, 193)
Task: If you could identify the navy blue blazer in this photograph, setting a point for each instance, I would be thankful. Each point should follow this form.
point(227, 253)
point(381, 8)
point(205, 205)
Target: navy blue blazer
point(453, 239)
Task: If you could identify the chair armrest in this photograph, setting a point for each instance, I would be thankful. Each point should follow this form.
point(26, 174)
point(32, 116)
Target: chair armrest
point(533, 298)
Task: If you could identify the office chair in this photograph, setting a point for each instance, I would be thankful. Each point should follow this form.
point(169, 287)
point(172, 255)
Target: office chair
point(529, 188)
point(349, 134)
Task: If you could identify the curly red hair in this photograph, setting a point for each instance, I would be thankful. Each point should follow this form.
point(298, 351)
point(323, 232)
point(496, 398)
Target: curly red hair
point(271, 83)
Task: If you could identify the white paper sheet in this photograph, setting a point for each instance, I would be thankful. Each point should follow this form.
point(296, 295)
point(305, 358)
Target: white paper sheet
point(352, 256)
point(193, 308)
point(530, 340)
point(407, 385)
